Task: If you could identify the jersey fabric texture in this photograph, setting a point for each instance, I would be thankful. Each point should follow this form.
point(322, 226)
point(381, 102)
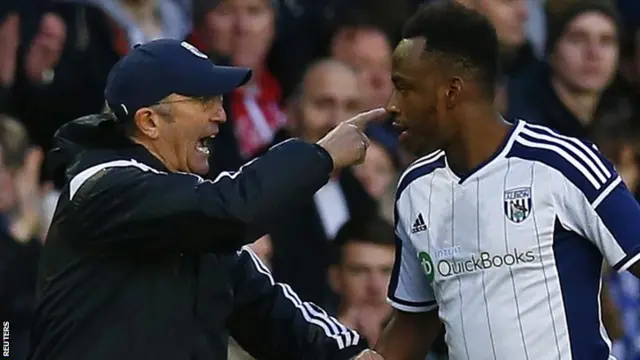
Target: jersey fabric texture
point(511, 253)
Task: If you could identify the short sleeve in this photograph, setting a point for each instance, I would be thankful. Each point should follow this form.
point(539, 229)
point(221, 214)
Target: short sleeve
point(409, 289)
point(610, 220)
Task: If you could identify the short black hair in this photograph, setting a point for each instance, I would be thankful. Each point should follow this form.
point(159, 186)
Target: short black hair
point(463, 37)
point(371, 230)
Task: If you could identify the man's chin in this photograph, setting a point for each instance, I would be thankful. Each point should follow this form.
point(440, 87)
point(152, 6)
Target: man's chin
point(199, 169)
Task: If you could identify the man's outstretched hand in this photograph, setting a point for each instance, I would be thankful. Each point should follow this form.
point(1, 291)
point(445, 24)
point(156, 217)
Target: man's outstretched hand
point(368, 355)
point(347, 144)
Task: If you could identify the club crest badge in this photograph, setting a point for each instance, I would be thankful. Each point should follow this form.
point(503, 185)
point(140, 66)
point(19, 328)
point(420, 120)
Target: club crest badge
point(517, 204)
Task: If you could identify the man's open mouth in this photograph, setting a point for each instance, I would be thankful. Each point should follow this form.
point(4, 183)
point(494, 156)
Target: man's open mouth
point(203, 145)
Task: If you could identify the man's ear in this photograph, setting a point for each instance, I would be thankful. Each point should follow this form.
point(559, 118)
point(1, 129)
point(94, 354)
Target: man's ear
point(334, 278)
point(147, 122)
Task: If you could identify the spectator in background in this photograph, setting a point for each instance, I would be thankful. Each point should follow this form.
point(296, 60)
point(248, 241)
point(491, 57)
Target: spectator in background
point(241, 33)
point(358, 42)
point(213, 29)
point(364, 252)
point(380, 170)
point(20, 191)
point(20, 206)
point(627, 85)
point(328, 95)
point(132, 22)
point(621, 291)
point(509, 17)
point(63, 68)
point(9, 40)
point(582, 49)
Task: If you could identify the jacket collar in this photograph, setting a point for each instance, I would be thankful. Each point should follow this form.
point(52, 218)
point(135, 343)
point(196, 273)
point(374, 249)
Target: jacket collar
point(140, 154)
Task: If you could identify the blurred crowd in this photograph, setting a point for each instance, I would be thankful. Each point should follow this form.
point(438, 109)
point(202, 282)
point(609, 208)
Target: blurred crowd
point(573, 65)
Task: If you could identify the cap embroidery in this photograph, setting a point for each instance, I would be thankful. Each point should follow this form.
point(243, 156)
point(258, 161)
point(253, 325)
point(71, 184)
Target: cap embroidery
point(193, 50)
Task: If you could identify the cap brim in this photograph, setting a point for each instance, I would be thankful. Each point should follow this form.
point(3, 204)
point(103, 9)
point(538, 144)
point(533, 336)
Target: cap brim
point(217, 80)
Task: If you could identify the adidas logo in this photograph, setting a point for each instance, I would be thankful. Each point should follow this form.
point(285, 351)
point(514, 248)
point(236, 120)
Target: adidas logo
point(418, 225)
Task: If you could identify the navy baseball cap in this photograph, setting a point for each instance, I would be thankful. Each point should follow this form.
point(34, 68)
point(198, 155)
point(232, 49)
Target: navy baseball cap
point(154, 70)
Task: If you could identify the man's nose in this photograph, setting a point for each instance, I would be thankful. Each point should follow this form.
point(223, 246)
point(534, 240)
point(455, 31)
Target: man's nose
point(220, 116)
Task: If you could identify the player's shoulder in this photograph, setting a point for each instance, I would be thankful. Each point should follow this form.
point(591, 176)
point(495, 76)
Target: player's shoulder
point(574, 159)
point(420, 168)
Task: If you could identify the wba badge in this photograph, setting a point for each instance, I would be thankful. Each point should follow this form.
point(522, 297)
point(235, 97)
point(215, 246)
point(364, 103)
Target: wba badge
point(517, 204)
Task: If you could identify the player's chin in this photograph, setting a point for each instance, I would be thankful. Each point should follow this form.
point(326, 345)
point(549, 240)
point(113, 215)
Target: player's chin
point(419, 147)
point(409, 142)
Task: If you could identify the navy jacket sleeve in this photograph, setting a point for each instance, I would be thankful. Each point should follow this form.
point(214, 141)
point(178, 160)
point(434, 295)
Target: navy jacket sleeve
point(129, 206)
point(272, 323)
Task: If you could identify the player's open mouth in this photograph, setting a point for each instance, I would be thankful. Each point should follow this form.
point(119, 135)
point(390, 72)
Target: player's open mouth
point(203, 145)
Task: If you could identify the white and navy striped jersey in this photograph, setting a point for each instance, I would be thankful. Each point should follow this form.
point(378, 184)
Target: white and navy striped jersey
point(511, 254)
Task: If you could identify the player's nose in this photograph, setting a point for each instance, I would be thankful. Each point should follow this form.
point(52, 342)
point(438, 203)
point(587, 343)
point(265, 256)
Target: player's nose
point(392, 106)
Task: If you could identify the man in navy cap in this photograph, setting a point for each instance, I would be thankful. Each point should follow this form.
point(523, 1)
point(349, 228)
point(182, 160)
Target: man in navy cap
point(145, 259)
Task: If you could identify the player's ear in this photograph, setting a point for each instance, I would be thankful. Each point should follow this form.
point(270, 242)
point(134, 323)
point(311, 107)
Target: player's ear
point(452, 95)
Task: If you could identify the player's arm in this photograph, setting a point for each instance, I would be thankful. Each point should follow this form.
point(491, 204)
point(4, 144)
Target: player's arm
point(409, 336)
point(270, 321)
point(415, 324)
point(602, 210)
point(137, 208)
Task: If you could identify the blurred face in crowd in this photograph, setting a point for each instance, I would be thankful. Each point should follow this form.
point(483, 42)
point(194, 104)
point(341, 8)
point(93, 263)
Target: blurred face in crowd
point(218, 24)
point(7, 190)
point(243, 30)
point(330, 95)
point(362, 278)
point(630, 65)
point(421, 101)
point(585, 58)
point(636, 56)
point(509, 17)
point(178, 130)
point(369, 51)
point(45, 50)
point(377, 172)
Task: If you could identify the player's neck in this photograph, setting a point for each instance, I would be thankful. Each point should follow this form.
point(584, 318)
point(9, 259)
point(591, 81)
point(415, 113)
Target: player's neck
point(582, 104)
point(478, 140)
